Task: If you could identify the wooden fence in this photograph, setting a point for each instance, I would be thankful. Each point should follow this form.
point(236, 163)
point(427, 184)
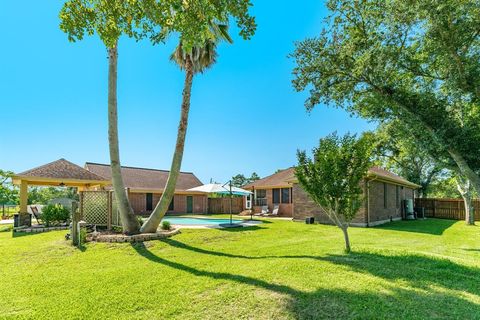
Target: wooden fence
point(446, 208)
point(222, 205)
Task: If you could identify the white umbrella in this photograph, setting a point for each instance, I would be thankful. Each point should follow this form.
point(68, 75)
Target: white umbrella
point(222, 189)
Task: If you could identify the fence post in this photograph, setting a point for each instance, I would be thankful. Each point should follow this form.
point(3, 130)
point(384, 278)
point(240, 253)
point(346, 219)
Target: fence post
point(434, 207)
point(75, 220)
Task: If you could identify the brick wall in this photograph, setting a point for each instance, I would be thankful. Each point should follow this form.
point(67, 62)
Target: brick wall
point(393, 208)
point(304, 206)
point(139, 203)
point(284, 209)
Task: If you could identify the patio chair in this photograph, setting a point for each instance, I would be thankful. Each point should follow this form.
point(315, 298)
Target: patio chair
point(264, 211)
point(35, 213)
point(274, 212)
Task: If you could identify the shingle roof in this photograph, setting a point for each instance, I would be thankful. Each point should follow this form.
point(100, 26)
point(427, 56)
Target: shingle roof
point(279, 179)
point(284, 177)
point(382, 173)
point(61, 169)
point(144, 178)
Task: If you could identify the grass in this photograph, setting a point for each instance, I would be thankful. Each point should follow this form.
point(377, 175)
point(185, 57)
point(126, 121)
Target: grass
point(278, 270)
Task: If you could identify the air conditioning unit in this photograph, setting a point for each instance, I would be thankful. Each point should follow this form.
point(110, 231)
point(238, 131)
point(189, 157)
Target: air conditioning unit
point(408, 209)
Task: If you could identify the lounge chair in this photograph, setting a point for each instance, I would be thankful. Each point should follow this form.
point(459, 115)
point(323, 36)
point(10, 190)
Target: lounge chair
point(35, 212)
point(274, 212)
point(264, 211)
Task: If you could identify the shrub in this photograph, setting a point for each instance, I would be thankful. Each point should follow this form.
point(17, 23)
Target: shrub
point(166, 225)
point(55, 214)
point(117, 229)
point(83, 236)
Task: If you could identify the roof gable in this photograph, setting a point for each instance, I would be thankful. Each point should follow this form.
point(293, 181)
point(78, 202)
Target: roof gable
point(61, 169)
point(279, 179)
point(144, 178)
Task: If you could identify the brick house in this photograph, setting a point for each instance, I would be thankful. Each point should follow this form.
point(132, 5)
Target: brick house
point(383, 201)
point(145, 187)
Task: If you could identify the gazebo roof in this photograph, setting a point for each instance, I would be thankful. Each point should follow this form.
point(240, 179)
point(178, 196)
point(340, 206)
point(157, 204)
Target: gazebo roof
point(60, 172)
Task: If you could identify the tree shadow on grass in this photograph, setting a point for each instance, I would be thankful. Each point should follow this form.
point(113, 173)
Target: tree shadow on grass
point(418, 271)
point(428, 226)
point(19, 234)
point(241, 229)
point(428, 294)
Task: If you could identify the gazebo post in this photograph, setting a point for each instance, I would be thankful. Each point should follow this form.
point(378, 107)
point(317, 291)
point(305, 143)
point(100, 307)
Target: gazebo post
point(23, 215)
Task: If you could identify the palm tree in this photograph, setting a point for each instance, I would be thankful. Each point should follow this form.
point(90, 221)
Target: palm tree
point(193, 60)
point(129, 221)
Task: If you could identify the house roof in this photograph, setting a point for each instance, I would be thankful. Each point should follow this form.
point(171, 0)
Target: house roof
point(380, 173)
point(276, 180)
point(145, 179)
point(284, 178)
point(60, 171)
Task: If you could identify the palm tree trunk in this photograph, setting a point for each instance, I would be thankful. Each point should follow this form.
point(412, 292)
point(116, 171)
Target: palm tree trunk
point(129, 222)
point(158, 213)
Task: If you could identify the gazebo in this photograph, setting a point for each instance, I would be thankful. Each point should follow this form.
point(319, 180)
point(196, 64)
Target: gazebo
point(60, 173)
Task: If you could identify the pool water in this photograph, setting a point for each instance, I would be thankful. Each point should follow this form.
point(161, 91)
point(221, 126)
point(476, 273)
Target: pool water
point(198, 221)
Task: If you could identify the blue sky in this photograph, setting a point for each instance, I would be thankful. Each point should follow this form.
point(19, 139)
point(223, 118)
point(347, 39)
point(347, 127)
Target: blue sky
point(245, 115)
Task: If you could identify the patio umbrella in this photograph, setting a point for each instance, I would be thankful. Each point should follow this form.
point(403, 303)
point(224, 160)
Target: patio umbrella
point(221, 189)
point(226, 188)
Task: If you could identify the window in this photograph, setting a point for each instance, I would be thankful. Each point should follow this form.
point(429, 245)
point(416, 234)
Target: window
point(385, 195)
point(149, 200)
point(276, 195)
point(285, 195)
point(261, 197)
point(397, 196)
point(170, 206)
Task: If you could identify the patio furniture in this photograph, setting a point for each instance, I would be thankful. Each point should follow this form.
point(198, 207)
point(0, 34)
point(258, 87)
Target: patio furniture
point(274, 212)
point(35, 213)
point(263, 212)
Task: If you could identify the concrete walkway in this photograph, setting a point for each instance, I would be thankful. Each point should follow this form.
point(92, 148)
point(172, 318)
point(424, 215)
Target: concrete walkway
point(6, 221)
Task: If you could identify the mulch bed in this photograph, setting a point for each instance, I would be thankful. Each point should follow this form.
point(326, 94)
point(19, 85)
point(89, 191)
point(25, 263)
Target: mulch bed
point(117, 237)
point(39, 228)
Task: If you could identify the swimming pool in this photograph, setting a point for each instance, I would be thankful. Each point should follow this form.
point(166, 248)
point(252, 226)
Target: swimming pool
point(198, 221)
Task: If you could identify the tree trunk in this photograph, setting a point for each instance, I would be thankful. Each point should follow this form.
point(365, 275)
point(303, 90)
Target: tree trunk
point(465, 189)
point(347, 239)
point(129, 221)
point(465, 169)
point(158, 213)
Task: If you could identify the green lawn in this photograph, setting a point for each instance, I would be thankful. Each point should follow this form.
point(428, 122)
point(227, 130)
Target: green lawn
point(279, 270)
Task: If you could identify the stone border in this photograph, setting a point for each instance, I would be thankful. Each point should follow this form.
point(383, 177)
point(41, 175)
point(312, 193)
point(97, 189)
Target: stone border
point(113, 238)
point(39, 229)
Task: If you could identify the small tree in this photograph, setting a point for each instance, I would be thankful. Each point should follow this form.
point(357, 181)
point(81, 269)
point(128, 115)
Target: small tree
point(7, 193)
point(333, 177)
point(254, 177)
point(239, 180)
